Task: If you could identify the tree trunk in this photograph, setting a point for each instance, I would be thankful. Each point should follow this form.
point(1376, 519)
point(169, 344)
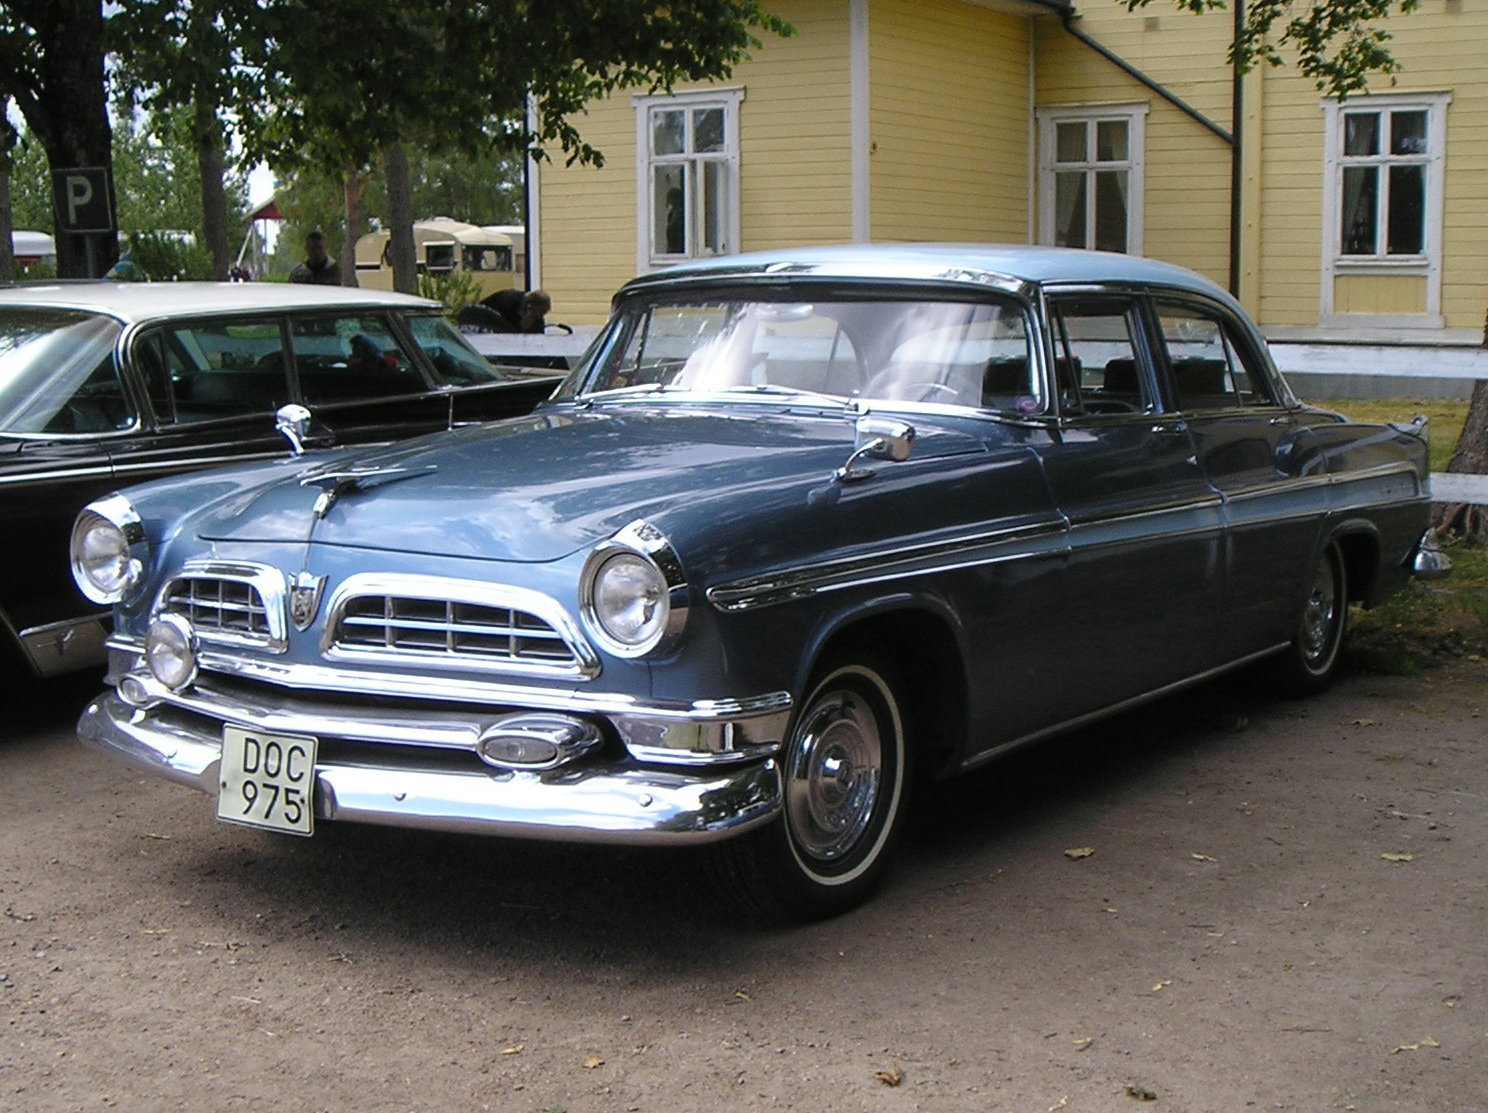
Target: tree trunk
point(67, 111)
point(1471, 458)
point(210, 164)
point(7, 230)
point(353, 186)
point(400, 219)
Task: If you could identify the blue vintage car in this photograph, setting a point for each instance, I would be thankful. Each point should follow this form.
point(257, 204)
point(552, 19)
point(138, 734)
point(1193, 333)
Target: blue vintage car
point(801, 529)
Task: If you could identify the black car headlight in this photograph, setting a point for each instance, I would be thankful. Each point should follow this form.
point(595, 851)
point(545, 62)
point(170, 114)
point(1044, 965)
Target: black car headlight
point(108, 549)
point(634, 595)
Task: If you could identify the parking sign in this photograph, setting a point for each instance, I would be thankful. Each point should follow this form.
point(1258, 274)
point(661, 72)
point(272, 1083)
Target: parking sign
point(83, 200)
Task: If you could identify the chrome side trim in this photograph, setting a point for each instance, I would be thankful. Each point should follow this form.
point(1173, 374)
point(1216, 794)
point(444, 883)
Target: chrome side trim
point(980, 759)
point(585, 666)
point(613, 803)
point(835, 575)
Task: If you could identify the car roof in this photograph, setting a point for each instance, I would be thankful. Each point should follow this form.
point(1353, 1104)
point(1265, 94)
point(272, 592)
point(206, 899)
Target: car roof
point(146, 301)
point(972, 263)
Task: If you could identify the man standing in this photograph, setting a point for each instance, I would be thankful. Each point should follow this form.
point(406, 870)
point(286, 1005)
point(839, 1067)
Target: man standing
point(318, 269)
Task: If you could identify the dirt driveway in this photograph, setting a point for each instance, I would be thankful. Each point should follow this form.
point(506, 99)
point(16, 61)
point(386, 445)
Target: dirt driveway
point(1286, 915)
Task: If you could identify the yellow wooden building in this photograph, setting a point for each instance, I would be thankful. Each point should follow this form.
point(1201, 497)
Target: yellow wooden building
point(1036, 121)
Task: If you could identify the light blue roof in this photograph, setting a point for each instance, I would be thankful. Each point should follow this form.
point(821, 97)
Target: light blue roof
point(970, 262)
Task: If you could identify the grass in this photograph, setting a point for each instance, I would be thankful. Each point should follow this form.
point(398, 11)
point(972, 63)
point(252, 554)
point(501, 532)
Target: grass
point(1427, 622)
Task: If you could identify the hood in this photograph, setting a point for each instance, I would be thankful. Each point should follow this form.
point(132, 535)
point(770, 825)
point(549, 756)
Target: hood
point(540, 487)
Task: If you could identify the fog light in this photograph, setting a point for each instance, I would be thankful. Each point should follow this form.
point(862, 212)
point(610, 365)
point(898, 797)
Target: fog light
point(170, 651)
point(536, 741)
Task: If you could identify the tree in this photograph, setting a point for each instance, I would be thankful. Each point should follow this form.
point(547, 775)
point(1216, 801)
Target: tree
point(343, 81)
point(51, 63)
point(1337, 42)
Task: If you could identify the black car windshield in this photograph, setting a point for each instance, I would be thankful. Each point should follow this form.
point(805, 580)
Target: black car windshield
point(964, 353)
point(57, 372)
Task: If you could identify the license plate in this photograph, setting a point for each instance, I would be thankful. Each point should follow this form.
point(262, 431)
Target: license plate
point(267, 780)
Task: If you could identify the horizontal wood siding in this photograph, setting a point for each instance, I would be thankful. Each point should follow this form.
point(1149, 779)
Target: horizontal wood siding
point(1186, 198)
point(1379, 293)
point(948, 122)
point(795, 166)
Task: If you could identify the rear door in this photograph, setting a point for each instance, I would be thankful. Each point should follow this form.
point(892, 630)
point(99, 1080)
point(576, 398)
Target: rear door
point(1266, 465)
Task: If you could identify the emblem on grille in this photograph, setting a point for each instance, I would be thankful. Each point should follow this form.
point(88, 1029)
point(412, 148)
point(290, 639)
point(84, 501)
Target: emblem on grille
point(304, 598)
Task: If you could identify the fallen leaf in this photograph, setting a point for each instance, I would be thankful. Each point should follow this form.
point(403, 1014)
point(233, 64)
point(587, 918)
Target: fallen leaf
point(153, 835)
point(592, 1061)
point(1064, 1101)
point(1141, 1093)
point(1364, 723)
point(741, 995)
point(1398, 857)
point(891, 1077)
point(1158, 988)
point(1427, 1042)
point(1082, 1043)
point(514, 1049)
point(1075, 853)
point(1202, 858)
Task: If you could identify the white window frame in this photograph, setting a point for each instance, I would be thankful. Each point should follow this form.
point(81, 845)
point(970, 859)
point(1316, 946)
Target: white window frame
point(1135, 118)
point(1428, 264)
point(729, 101)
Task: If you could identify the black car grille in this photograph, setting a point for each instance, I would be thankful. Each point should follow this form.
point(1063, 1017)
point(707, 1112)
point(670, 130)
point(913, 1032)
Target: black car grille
point(220, 606)
point(449, 628)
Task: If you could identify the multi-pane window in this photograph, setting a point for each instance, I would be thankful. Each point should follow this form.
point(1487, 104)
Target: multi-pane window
point(1091, 173)
point(1384, 163)
point(689, 177)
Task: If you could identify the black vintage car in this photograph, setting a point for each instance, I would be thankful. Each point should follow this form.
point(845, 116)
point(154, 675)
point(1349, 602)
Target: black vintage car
point(106, 384)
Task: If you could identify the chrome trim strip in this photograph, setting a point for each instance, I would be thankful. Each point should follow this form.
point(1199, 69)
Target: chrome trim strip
point(439, 589)
point(611, 803)
point(809, 579)
point(48, 476)
point(982, 758)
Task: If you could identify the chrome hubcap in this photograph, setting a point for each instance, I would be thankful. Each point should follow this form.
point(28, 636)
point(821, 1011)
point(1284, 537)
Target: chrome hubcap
point(833, 776)
point(1321, 612)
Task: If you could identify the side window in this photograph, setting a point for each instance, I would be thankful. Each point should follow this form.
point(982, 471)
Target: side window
point(214, 369)
point(1097, 364)
point(351, 358)
point(1208, 368)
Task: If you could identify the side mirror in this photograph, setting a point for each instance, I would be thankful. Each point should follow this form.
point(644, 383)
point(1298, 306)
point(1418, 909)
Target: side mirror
point(878, 438)
point(293, 422)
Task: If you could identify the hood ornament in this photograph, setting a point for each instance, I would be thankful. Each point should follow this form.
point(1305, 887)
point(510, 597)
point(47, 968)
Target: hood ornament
point(336, 481)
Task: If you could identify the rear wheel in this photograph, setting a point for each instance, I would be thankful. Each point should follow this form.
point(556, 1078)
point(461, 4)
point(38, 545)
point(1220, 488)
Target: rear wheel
point(843, 771)
point(1310, 663)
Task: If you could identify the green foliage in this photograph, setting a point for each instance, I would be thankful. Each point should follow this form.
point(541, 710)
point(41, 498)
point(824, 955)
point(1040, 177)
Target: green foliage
point(455, 290)
point(1427, 622)
point(167, 258)
point(1337, 42)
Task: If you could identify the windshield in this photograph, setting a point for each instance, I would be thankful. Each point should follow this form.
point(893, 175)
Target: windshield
point(900, 350)
point(57, 372)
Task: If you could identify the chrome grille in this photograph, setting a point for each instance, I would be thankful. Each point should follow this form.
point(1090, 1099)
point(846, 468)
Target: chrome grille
point(214, 606)
point(450, 628)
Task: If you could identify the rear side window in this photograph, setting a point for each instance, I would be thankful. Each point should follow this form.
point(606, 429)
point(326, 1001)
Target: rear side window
point(351, 358)
point(1209, 367)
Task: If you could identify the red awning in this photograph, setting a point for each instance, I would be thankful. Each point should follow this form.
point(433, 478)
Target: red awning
point(267, 211)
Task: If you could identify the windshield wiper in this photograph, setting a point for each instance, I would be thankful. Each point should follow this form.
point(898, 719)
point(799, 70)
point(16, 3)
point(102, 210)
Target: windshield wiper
point(778, 391)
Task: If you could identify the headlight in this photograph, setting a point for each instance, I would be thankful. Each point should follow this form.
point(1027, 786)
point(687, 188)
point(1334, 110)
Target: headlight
point(634, 594)
point(108, 541)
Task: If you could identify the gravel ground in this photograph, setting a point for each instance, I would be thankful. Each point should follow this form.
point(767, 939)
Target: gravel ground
point(1282, 907)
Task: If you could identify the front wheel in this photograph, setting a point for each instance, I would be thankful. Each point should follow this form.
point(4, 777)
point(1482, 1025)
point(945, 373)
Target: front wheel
point(1310, 663)
point(843, 770)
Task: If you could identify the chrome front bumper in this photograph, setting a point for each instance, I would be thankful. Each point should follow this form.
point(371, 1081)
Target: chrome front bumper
point(593, 802)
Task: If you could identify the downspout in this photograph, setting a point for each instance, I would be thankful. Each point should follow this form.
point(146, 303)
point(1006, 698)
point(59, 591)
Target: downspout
point(1237, 137)
point(1066, 13)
